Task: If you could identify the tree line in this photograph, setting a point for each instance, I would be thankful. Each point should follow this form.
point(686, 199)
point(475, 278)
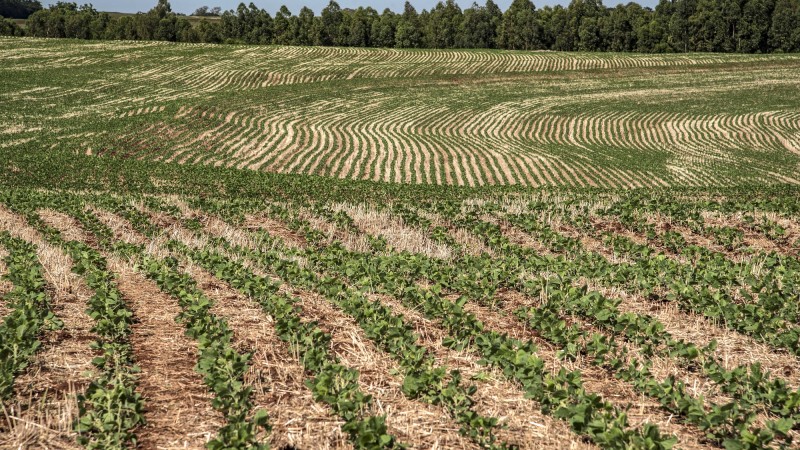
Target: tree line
point(19, 9)
point(745, 26)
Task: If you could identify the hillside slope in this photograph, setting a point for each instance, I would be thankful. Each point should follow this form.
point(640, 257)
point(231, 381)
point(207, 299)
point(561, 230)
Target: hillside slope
point(416, 116)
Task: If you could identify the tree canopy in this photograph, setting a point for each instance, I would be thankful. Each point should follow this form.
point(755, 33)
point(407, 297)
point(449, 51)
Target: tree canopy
point(19, 9)
point(747, 26)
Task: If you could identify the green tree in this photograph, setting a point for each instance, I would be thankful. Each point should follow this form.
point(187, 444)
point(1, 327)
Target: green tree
point(672, 18)
point(166, 30)
point(210, 32)
point(557, 31)
point(784, 33)
point(622, 27)
point(282, 27)
point(384, 29)
point(18, 9)
point(707, 28)
point(10, 28)
point(754, 25)
point(162, 9)
point(360, 27)
point(124, 27)
point(409, 29)
point(67, 20)
point(306, 32)
point(185, 32)
point(590, 34)
point(443, 25)
point(520, 29)
point(480, 26)
point(332, 20)
point(585, 24)
point(249, 25)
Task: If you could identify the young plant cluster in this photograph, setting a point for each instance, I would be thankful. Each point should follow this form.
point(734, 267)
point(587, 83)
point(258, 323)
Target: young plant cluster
point(557, 268)
point(30, 315)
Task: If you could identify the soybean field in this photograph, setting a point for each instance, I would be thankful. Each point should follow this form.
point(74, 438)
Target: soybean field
point(232, 247)
point(467, 118)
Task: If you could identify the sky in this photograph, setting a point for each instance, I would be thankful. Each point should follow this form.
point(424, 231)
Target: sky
point(188, 6)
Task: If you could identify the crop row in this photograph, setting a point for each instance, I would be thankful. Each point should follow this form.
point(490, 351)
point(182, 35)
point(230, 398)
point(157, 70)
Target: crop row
point(725, 421)
point(110, 408)
point(746, 407)
point(561, 394)
point(423, 380)
point(690, 286)
point(749, 384)
point(735, 380)
point(290, 110)
point(30, 313)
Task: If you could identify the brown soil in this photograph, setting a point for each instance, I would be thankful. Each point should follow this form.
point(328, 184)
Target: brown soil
point(754, 238)
point(290, 238)
point(398, 235)
point(121, 228)
point(178, 410)
point(275, 374)
point(640, 409)
point(525, 424)
point(734, 348)
point(415, 423)
point(333, 232)
point(412, 422)
point(177, 403)
point(44, 406)
point(357, 351)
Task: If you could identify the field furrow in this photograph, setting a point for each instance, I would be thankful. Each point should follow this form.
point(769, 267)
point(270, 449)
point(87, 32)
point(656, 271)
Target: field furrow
point(666, 420)
point(525, 423)
point(44, 405)
point(5, 285)
point(275, 375)
point(178, 411)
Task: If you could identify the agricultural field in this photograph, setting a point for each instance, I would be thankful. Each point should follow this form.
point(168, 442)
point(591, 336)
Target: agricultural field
point(466, 118)
point(232, 247)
